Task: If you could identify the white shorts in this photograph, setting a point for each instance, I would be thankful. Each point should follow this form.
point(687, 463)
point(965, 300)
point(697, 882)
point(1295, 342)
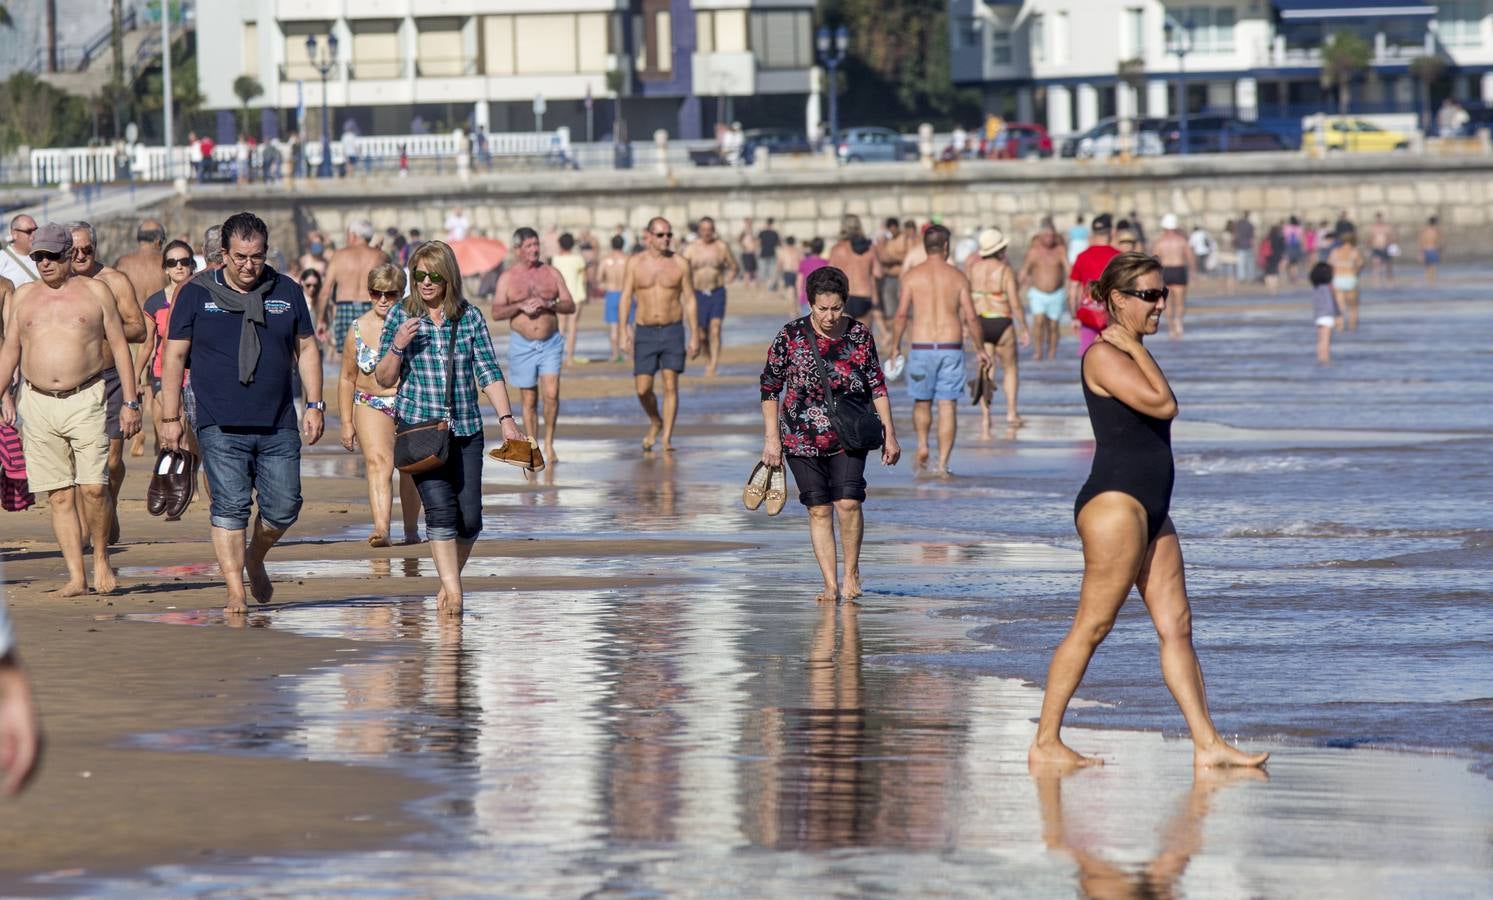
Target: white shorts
point(1326, 321)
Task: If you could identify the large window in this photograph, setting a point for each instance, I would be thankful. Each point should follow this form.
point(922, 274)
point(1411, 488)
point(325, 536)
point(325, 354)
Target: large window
point(439, 47)
point(1209, 28)
point(1135, 33)
point(783, 39)
point(297, 66)
point(545, 43)
point(1459, 22)
point(721, 31)
point(1000, 44)
point(376, 48)
point(1060, 38)
point(653, 36)
point(967, 33)
point(1037, 38)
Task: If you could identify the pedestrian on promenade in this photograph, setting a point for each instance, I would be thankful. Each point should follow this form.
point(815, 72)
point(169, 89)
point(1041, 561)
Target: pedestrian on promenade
point(830, 476)
point(65, 329)
point(243, 329)
point(657, 289)
point(20, 732)
point(420, 338)
point(178, 264)
point(534, 298)
point(1122, 515)
point(992, 282)
point(366, 410)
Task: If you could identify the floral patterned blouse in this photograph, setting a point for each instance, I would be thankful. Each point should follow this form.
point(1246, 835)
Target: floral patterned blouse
point(792, 371)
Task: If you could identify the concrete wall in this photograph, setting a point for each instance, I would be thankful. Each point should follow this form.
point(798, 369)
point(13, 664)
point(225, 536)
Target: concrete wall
point(1014, 196)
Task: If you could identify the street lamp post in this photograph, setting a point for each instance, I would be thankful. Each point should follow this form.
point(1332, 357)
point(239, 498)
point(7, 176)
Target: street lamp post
point(324, 67)
point(1181, 45)
point(832, 46)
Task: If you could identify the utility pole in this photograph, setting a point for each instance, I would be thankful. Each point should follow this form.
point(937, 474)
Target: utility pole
point(166, 86)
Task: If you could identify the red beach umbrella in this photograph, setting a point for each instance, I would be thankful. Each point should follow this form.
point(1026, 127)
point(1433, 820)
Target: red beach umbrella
point(476, 255)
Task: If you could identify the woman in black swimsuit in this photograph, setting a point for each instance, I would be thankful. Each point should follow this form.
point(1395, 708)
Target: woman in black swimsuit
point(1121, 513)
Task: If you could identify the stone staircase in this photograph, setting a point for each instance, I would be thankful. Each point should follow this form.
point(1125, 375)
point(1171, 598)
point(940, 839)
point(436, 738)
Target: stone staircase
point(87, 69)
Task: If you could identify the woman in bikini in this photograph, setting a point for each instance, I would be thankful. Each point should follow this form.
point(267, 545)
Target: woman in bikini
point(993, 288)
point(367, 410)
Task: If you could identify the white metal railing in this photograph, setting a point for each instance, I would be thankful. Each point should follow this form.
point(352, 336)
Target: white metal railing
point(140, 162)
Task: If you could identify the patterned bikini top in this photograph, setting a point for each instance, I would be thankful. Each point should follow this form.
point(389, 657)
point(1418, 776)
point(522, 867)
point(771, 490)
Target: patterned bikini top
point(367, 356)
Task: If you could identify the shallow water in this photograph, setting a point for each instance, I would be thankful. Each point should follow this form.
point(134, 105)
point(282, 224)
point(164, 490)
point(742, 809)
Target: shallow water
point(721, 734)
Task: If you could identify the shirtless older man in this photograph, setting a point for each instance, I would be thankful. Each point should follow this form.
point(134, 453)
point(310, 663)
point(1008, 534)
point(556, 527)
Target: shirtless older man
point(891, 250)
point(1177, 260)
point(710, 260)
point(143, 265)
point(1042, 272)
point(936, 296)
point(855, 255)
point(64, 330)
point(137, 328)
point(531, 296)
point(347, 278)
point(992, 284)
point(658, 288)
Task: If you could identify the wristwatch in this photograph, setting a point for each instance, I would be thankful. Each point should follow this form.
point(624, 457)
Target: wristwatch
point(132, 404)
point(318, 405)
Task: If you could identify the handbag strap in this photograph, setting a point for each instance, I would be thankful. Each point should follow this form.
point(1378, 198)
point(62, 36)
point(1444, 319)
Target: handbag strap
point(451, 368)
point(829, 392)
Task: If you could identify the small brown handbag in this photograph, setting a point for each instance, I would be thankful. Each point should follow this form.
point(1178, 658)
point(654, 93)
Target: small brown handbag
point(422, 446)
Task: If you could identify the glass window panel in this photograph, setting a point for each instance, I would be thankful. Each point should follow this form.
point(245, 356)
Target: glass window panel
point(592, 45)
point(497, 45)
point(705, 32)
point(731, 31)
point(663, 27)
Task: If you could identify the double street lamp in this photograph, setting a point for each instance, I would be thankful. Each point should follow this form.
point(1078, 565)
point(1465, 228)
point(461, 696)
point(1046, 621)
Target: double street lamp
point(1181, 35)
point(324, 66)
point(832, 44)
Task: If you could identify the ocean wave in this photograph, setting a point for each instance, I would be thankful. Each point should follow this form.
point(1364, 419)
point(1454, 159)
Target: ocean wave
point(1206, 464)
point(1341, 530)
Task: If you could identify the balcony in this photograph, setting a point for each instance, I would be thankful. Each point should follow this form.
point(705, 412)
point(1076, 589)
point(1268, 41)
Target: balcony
point(304, 71)
point(370, 69)
point(445, 67)
point(1277, 55)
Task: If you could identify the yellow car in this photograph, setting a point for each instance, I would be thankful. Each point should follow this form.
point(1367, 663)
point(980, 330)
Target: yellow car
point(1363, 137)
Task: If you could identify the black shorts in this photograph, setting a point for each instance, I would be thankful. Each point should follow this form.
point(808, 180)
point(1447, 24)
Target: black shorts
point(992, 327)
point(1174, 275)
point(749, 263)
point(825, 479)
point(113, 404)
point(658, 347)
point(858, 307)
point(790, 279)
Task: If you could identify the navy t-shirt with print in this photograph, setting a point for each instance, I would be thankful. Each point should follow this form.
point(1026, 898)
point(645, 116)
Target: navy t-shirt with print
point(221, 399)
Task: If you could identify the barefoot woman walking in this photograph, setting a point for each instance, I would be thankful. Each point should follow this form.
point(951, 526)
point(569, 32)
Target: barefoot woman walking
point(1122, 517)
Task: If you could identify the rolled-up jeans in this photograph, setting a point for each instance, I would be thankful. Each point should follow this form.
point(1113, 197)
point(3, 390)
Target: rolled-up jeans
point(452, 494)
point(243, 462)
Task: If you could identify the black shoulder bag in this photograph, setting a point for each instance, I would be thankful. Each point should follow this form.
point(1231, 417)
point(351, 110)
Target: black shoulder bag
point(853, 417)
point(422, 446)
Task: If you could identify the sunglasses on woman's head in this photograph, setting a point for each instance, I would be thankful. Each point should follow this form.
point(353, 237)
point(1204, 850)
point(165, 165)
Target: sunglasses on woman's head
point(420, 275)
point(173, 262)
point(1149, 295)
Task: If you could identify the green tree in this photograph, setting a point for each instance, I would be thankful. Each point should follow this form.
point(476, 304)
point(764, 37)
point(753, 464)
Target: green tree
point(247, 88)
point(1344, 58)
point(1427, 71)
point(36, 114)
point(5, 20)
point(187, 100)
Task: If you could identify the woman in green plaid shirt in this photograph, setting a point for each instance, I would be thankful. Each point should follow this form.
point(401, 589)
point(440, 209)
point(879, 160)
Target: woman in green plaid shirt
point(413, 354)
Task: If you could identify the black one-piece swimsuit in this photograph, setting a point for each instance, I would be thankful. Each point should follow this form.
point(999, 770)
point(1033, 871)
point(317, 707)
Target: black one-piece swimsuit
point(1132, 454)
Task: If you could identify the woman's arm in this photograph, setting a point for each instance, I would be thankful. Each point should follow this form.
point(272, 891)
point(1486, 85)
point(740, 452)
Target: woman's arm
point(891, 451)
point(774, 374)
point(1123, 369)
point(772, 441)
point(390, 354)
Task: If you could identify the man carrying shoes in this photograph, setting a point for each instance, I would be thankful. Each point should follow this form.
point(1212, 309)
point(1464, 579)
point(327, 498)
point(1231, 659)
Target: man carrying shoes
point(61, 328)
point(242, 330)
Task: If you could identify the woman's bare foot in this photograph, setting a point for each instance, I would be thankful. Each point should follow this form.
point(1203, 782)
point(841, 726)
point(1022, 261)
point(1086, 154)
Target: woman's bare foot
point(446, 606)
point(378, 539)
point(852, 587)
point(651, 437)
point(105, 580)
point(830, 594)
point(1015, 421)
point(920, 459)
point(260, 586)
point(1220, 754)
point(549, 454)
point(73, 589)
point(1060, 755)
point(410, 538)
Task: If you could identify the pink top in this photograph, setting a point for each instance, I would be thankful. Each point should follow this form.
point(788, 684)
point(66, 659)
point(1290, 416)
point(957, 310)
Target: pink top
point(810, 265)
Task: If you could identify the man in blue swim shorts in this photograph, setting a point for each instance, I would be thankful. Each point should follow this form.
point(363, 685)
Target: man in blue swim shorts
point(936, 296)
point(531, 296)
point(712, 267)
point(610, 273)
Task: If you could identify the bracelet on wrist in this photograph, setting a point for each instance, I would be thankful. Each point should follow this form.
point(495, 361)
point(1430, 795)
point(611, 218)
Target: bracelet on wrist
point(509, 416)
point(395, 350)
point(170, 419)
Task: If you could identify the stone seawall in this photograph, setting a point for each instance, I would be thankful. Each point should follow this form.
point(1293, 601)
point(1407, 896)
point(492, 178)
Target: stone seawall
point(1012, 195)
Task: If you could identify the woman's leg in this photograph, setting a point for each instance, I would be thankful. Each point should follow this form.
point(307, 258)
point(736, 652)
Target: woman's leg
point(990, 351)
point(1113, 529)
point(852, 525)
point(1324, 343)
point(466, 466)
point(1163, 587)
point(409, 507)
point(822, 536)
point(376, 437)
point(1350, 308)
point(1006, 352)
point(438, 494)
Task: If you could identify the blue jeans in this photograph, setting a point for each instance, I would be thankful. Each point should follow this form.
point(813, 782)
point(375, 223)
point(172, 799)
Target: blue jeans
point(265, 461)
point(452, 494)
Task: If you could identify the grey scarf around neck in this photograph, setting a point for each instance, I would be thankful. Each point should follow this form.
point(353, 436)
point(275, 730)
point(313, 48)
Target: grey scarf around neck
point(251, 305)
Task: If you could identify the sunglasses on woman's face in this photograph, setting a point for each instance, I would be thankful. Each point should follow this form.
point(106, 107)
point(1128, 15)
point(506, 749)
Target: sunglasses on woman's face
point(384, 295)
point(173, 262)
point(1149, 295)
point(420, 275)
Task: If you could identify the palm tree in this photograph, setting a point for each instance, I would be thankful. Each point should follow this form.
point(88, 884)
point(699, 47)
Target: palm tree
point(5, 20)
point(1427, 71)
point(247, 89)
point(1345, 56)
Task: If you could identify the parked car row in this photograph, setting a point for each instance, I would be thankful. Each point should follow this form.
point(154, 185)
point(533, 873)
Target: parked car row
point(1157, 136)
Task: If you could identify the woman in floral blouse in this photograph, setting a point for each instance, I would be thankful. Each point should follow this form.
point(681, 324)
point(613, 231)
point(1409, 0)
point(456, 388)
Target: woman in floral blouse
point(829, 477)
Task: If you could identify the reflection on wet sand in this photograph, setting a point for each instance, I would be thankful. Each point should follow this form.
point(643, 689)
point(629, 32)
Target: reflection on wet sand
point(1181, 838)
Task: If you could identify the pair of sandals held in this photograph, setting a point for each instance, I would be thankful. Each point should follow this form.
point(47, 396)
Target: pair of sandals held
point(766, 485)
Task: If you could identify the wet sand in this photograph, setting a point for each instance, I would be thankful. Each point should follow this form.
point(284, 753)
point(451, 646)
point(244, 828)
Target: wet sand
point(644, 698)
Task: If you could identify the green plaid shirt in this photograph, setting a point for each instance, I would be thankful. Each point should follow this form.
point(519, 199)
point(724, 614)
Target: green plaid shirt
point(422, 372)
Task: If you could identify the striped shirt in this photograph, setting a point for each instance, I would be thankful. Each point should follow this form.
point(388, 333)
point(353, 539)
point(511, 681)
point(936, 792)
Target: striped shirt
point(422, 371)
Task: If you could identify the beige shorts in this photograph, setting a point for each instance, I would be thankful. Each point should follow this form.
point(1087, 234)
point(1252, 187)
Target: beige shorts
point(66, 441)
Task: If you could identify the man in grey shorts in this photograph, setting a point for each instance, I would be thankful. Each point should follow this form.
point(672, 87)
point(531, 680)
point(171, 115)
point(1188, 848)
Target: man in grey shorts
point(657, 284)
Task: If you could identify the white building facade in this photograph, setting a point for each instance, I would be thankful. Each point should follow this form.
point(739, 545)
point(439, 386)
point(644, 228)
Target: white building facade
point(1069, 63)
point(681, 65)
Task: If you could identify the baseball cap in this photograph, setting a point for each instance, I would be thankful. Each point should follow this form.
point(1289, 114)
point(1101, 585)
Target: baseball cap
point(1168, 222)
point(52, 238)
point(1103, 222)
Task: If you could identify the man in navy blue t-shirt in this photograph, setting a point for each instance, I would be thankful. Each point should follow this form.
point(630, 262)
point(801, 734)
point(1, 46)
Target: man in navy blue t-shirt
point(243, 330)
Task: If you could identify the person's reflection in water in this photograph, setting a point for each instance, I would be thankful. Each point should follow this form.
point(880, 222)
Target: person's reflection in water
point(450, 697)
point(642, 784)
point(654, 505)
point(1181, 837)
point(824, 786)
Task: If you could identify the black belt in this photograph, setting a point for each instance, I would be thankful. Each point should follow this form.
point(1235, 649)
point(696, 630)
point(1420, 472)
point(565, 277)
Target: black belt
point(63, 395)
point(938, 346)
